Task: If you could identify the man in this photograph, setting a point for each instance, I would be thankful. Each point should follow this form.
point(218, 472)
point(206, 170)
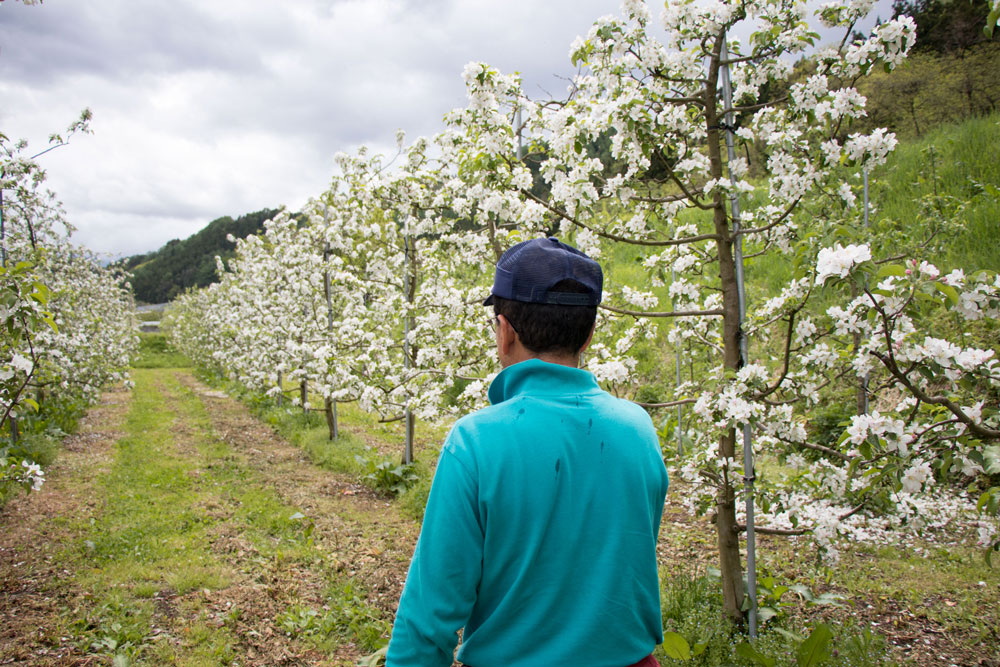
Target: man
point(540, 533)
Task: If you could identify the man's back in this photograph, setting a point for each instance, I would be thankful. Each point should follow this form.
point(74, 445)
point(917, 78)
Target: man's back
point(541, 530)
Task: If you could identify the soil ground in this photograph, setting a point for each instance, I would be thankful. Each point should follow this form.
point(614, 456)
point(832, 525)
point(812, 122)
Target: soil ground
point(359, 537)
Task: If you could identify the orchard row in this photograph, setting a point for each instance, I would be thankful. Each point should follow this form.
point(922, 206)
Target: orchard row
point(68, 322)
point(680, 153)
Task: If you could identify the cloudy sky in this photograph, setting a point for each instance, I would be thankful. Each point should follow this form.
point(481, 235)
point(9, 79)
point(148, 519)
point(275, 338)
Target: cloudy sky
point(222, 107)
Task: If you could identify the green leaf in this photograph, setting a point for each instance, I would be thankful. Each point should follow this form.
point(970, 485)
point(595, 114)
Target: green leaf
point(831, 599)
point(948, 291)
point(866, 449)
point(374, 659)
point(803, 592)
point(748, 652)
point(891, 270)
point(765, 614)
point(989, 499)
point(992, 19)
point(676, 647)
point(816, 648)
point(991, 456)
point(788, 634)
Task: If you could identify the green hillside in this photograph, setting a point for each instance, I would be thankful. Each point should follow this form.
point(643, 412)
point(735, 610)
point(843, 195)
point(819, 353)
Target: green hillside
point(161, 275)
point(945, 188)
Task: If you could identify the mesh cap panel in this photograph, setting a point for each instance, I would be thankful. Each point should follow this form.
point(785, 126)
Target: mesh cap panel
point(528, 270)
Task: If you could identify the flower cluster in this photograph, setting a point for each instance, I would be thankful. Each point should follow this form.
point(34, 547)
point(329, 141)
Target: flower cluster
point(68, 319)
point(634, 164)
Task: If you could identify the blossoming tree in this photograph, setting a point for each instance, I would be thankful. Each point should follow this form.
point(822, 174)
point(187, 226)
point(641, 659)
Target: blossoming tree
point(68, 322)
point(671, 193)
point(674, 199)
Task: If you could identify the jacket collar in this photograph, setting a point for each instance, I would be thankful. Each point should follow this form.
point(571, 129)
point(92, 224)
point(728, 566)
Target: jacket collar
point(538, 377)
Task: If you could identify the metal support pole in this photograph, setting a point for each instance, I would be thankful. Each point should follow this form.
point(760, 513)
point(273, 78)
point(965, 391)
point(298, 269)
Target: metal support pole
point(748, 466)
point(3, 230)
point(407, 278)
point(517, 129)
point(331, 405)
point(680, 408)
point(864, 382)
point(677, 364)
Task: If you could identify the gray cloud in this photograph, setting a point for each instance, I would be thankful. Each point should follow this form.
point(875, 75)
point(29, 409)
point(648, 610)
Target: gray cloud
point(205, 109)
point(117, 39)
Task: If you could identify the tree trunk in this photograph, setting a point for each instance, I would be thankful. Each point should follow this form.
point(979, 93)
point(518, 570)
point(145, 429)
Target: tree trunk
point(330, 408)
point(726, 526)
point(281, 389)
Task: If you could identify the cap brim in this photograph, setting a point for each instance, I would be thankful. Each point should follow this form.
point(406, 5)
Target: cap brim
point(489, 301)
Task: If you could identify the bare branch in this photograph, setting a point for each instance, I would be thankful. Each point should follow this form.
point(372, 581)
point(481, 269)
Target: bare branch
point(765, 228)
point(614, 237)
point(669, 404)
point(675, 313)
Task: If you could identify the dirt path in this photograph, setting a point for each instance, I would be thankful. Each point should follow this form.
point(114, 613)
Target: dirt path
point(51, 596)
point(32, 538)
point(357, 532)
point(261, 589)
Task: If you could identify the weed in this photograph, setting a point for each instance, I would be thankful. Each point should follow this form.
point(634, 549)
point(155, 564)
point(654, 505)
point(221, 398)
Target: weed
point(695, 631)
point(156, 352)
point(384, 475)
point(116, 627)
point(345, 616)
point(413, 501)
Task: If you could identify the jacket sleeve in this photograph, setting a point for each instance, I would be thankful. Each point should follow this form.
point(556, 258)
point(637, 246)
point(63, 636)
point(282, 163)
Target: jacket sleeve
point(444, 574)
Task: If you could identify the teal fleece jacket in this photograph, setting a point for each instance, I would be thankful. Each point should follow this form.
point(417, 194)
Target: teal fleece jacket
point(540, 532)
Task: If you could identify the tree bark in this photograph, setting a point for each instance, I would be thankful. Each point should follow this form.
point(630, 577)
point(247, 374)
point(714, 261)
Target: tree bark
point(726, 525)
point(330, 408)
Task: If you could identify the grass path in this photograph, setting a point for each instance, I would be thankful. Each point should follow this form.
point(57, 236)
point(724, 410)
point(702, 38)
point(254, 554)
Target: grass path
point(176, 529)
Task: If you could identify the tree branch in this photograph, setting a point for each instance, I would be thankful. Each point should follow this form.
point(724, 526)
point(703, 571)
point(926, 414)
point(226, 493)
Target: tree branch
point(615, 237)
point(675, 313)
point(669, 404)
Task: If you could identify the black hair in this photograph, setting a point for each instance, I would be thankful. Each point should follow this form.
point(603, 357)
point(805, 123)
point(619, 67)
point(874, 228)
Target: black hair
point(550, 328)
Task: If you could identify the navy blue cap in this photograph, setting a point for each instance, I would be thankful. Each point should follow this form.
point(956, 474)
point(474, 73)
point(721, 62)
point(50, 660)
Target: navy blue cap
point(528, 270)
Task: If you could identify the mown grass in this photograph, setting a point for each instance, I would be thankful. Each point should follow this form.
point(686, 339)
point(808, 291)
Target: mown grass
point(362, 441)
point(160, 506)
point(944, 588)
point(155, 351)
point(150, 537)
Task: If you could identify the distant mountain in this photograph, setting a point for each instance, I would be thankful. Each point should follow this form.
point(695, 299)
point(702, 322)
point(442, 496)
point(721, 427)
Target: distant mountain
point(161, 275)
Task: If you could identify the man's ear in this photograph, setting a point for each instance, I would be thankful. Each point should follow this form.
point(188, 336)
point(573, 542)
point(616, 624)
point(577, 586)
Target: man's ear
point(590, 337)
point(506, 336)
